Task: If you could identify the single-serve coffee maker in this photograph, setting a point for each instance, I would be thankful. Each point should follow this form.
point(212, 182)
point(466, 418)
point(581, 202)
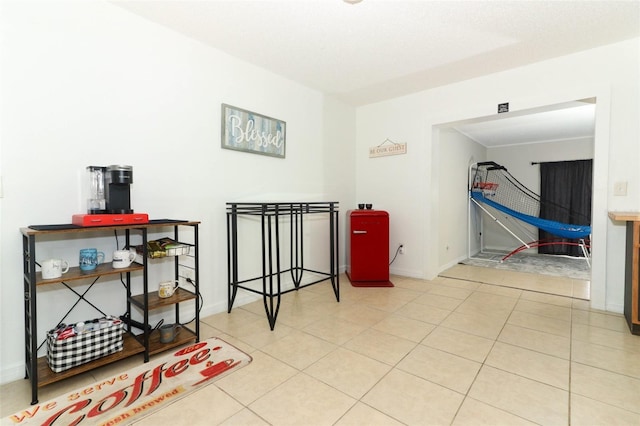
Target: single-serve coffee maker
point(109, 189)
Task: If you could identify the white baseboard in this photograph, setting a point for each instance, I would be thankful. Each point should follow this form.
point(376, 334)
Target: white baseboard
point(406, 273)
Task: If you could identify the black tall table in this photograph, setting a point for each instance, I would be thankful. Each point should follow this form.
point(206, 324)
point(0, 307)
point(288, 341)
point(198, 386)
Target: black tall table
point(270, 216)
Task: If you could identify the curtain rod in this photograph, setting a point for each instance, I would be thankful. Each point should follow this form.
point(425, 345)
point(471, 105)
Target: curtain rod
point(534, 163)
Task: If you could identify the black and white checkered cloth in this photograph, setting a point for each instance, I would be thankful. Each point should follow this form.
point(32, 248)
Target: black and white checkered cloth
point(70, 352)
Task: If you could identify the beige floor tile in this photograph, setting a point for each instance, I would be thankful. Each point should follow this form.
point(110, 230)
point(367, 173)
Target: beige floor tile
point(544, 309)
point(262, 375)
point(384, 302)
point(257, 334)
point(480, 325)
point(451, 371)
point(459, 343)
point(489, 304)
point(476, 413)
point(581, 289)
point(539, 341)
point(335, 330)
point(551, 299)
point(586, 411)
point(530, 364)
point(243, 418)
point(614, 322)
point(463, 271)
point(500, 290)
point(303, 400)
point(243, 346)
point(411, 283)
point(538, 283)
point(380, 346)
point(361, 314)
point(606, 358)
point(255, 307)
point(453, 292)
point(231, 322)
point(361, 414)
point(583, 305)
point(438, 301)
point(404, 327)
point(526, 398)
point(499, 301)
point(601, 336)
point(299, 349)
point(348, 371)
point(188, 411)
point(605, 386)
point(297, 316)
point(540, 323)
point(424, 313)
point(412, 400)
point(457, 283)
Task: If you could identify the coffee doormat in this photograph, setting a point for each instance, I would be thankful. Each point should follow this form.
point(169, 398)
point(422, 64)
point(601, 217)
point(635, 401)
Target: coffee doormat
point(134, 394)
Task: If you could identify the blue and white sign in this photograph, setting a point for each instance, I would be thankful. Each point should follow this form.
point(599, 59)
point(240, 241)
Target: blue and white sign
point(248, 131)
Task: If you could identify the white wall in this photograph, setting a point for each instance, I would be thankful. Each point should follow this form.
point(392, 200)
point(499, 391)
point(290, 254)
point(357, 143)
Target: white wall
point(391, 183)
point(88, 83)
point(609, 73)
point(457, 153)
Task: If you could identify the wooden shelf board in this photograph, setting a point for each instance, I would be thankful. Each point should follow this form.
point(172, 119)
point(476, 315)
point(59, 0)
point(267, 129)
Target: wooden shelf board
point(155, 301)
point(46, 376)
point(75, 273)
point(625, 216)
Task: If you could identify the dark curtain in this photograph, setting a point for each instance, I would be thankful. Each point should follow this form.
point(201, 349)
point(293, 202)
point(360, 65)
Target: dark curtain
point(565, 194)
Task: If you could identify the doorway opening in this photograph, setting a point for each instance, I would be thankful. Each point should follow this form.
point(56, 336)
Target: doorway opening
point(559, 132)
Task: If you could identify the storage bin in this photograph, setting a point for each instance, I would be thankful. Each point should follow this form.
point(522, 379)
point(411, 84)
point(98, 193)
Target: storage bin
point(79, 349)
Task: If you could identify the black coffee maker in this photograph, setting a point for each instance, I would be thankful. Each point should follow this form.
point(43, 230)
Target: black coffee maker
point(110, 191)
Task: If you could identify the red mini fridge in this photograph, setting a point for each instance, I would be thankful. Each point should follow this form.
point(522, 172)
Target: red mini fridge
point(368, 248)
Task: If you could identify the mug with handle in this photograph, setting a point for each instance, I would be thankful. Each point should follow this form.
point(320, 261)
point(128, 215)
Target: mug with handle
point(90, 258)
point(54, 268)
point(123, 258)
point(167, 288)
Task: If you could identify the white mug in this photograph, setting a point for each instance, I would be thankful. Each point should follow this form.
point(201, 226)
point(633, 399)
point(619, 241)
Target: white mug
point(167, 288)
point(54, 268)
point(122, 258)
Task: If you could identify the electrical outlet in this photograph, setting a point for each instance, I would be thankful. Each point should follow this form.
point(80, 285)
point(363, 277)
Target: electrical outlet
point(620, 188)
point(187, 273)
point(401, 250)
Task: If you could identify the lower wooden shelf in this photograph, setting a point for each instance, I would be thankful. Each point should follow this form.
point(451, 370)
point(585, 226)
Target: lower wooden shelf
point(46, 376)
point(131, 347)
point(185, 335)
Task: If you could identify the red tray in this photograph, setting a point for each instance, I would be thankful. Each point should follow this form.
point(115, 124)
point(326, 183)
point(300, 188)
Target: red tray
point(109, 219)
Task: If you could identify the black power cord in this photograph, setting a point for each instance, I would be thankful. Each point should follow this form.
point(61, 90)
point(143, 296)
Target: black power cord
point(396, 255)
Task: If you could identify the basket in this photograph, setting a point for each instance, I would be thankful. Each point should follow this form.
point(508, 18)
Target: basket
point(73, 351)
point(487, 188)
point(164, 247)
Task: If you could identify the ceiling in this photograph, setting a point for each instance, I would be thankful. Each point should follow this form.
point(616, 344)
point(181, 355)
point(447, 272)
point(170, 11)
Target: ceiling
point(380, 49)
point(556, 123)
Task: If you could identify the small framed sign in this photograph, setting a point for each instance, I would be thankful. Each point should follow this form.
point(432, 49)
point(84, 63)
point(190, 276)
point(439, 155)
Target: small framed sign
point(248, 131)
point(503, 107)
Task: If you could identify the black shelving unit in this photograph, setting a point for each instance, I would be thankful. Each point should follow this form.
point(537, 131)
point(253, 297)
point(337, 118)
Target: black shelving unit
point(271, 215)
point(146, 342)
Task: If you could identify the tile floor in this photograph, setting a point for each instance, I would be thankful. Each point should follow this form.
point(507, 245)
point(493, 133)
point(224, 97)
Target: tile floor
point(450, 351)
